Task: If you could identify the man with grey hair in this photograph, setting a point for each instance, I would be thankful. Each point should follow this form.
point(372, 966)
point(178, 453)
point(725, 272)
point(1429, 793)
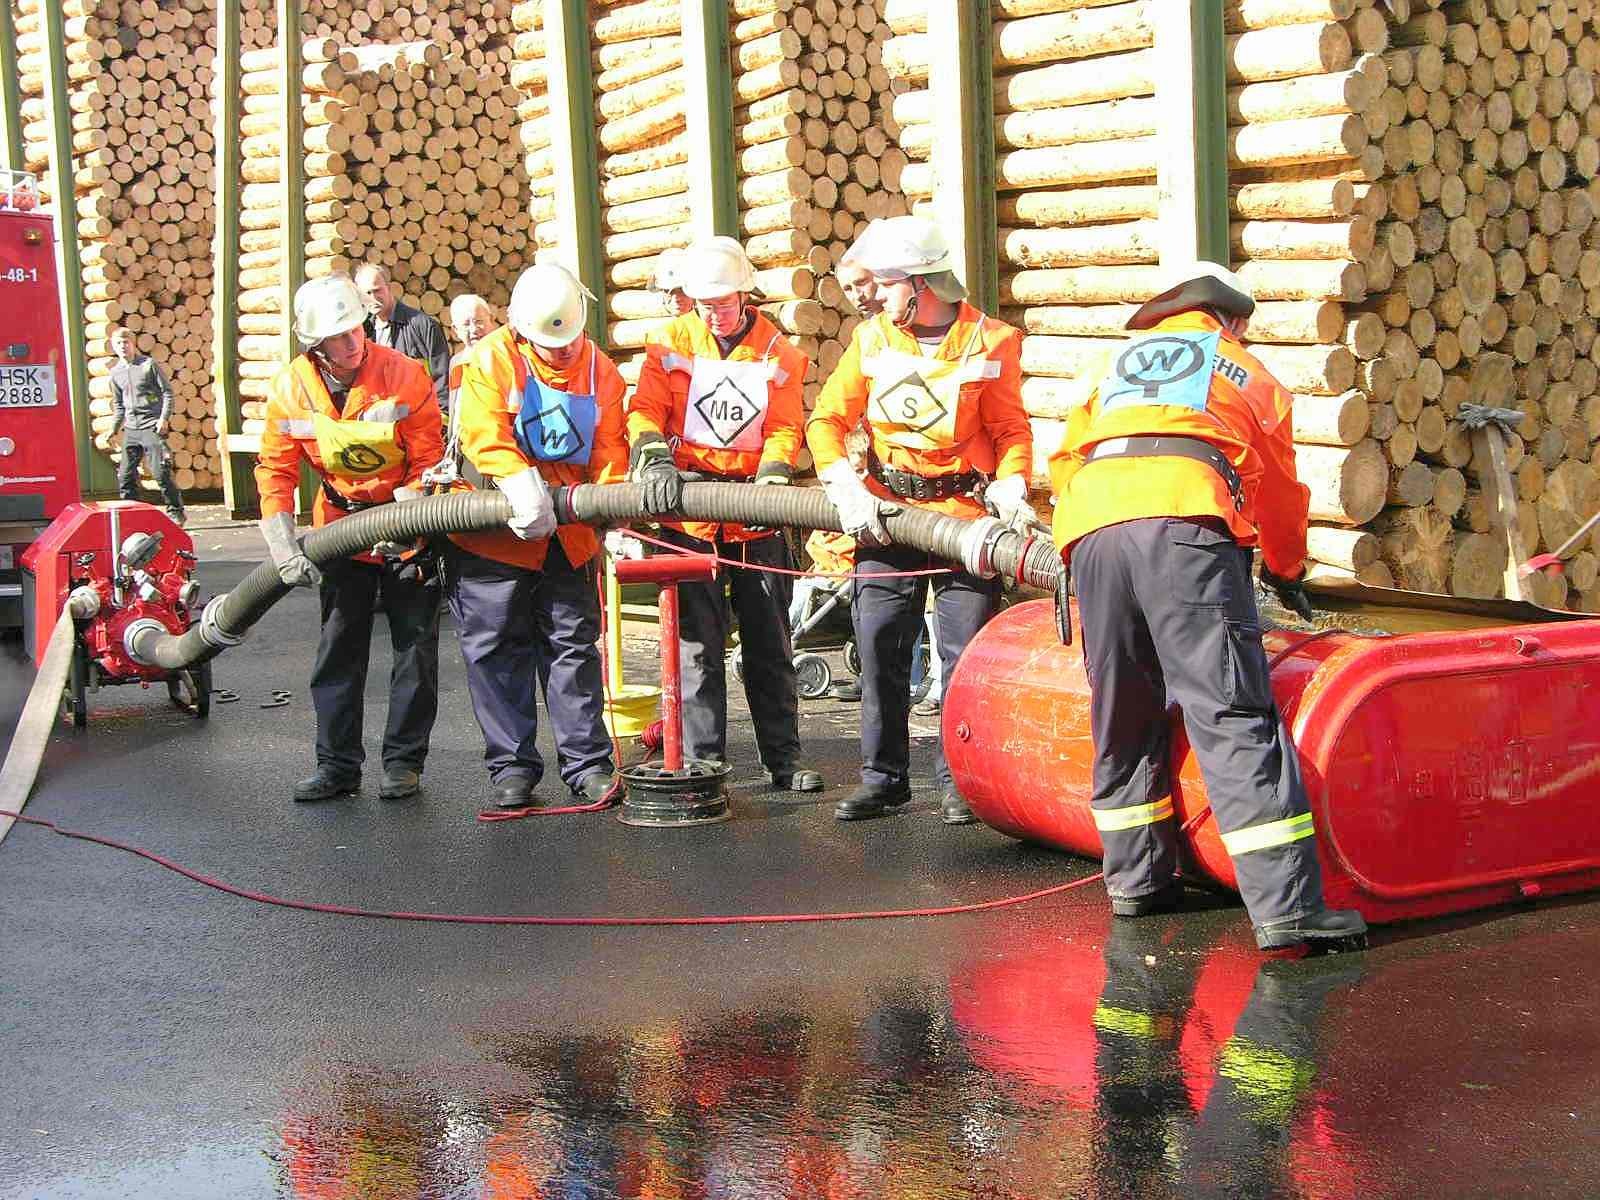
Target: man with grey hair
point(395, 324)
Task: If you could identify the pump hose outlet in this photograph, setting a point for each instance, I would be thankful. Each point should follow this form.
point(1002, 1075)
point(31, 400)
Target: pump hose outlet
point(981, 544)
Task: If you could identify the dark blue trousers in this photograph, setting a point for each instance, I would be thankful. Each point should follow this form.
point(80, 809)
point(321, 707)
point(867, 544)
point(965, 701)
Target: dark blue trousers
point(522, 633)
point(887, 614)
point(349, 590)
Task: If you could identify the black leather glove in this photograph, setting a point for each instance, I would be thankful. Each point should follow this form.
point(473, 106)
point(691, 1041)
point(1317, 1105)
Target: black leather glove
point(663, 486)
point(1291, 594)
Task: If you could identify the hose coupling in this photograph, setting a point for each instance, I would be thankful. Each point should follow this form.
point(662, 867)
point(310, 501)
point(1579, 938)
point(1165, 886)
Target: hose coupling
point(135, 632)
point(978, 543)
point(211, 631)
point(83, 603)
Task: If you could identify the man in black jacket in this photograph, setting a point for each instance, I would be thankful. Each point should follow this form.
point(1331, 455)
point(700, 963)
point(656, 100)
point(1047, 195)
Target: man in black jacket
point(401, 327)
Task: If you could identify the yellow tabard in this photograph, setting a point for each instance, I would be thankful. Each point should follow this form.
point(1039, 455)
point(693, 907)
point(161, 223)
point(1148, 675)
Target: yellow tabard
point(356, 449)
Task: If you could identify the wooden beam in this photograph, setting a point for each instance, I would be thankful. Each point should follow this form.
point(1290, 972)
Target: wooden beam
point(708, 105)
point(238, 476)
point(10, 94)
point(1192, 162)
point(572, 150)
point(95, 475)
point(292, 175)
point(961, 83)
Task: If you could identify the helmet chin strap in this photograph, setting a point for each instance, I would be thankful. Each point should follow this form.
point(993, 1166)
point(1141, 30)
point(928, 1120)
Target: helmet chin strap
point(910, 317)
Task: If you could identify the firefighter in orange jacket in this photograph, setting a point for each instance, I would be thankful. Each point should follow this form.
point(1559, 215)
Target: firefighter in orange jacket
point(720, 395)
point(539, 405)
point(1179, 461)
point(939, 386)
point(367, 421)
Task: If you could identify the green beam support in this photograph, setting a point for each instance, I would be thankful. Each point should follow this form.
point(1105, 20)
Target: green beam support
point(10, 92)
point(572, 149)
point(961, 80)
point(1191, 91)
point(708, 101)
point(292, 192)
point(238, 478)
point(95, 474)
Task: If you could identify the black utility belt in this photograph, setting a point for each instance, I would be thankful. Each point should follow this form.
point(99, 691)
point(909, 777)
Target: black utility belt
point(1198, 449)
point(910, 486)
point(343, 503)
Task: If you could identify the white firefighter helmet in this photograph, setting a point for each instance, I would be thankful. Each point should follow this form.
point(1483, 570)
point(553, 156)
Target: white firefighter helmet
point(669, 271)
point(548, 306)
point(716, 267)
point(325, 308)
point(1198, 284)
point(907, 245)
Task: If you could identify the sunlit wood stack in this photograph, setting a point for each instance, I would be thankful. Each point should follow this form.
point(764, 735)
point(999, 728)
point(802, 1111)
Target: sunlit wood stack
point(409, 162)
point(478, 35)
point(1444, 196)
point(139, 77)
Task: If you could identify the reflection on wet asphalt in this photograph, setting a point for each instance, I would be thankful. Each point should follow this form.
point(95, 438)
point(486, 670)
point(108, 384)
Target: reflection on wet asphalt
point(161, 1040)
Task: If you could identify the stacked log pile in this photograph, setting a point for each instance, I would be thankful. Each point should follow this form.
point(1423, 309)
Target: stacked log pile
point(408, 163)
point(139, 80)
point(1447, 198)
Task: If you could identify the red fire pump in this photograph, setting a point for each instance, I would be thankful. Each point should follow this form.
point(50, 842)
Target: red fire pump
point(120, 566)
point(38, 462)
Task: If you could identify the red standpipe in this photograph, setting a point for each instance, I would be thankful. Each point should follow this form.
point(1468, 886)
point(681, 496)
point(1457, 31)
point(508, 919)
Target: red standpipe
point(1446, 770)
point(667, 571)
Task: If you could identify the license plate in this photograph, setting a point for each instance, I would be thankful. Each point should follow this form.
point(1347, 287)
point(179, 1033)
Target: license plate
point(28, 387)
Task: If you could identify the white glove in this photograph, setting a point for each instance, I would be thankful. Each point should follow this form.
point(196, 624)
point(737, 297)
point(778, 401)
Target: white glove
point(294, 568)
point(1007, 499)
point(860, 512)
point(620, 545)
point(396, 549)
point(533, 510)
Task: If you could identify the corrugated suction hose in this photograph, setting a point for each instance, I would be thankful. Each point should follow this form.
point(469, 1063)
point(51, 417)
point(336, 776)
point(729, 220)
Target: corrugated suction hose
point(979, 545)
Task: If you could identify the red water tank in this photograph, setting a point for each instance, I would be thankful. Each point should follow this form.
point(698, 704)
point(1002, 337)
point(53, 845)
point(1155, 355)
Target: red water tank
point(1446, 770)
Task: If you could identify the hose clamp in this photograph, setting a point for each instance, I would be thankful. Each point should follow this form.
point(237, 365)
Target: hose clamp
point(978, 544)
point(211, 632)
point(131, 635)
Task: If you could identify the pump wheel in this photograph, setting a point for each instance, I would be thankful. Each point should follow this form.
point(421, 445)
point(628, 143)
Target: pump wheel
point(852, 657)
point(75, 699)
point(190, 689)
point(813, 675)
point(736, 661)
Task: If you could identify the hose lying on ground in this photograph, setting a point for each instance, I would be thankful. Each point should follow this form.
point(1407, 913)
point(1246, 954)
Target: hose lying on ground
point(980, 546)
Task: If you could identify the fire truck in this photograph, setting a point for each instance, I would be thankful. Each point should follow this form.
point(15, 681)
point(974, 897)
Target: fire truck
point(38, 452)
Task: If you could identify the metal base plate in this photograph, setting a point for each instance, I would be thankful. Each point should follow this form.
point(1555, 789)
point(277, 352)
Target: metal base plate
point(657, 798)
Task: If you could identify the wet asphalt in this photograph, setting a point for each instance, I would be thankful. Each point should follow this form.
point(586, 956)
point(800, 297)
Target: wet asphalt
point(161, 1039)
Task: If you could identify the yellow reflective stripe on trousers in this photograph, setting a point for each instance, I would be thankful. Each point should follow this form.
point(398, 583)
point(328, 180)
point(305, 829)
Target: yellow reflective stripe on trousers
point(1264, 837)
point(1125, 1021)
point(1108, 820)
point(1269, 1081)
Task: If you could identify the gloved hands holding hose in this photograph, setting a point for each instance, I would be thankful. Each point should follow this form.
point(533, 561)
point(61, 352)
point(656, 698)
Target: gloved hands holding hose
point(1007, 499)
point(652, 466)
point(294, 568)
point(1291, 593)
point(533, 510)
point(396, 549)
point(860, 512)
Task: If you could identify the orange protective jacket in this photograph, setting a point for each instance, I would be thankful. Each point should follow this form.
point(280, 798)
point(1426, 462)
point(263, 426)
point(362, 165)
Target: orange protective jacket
point(1247, 415)
point(389, 387)
point(661, 397)
point(491, 381)
point(992, 433)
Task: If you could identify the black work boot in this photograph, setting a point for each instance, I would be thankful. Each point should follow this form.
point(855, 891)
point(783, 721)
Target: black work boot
point(953, 809)
point(1166, 900)
point(796, 779)
point(326, 784)
point(873, 800)
point(399, 781)
point(1326, 928)
point(594, 788)
point(515, 791)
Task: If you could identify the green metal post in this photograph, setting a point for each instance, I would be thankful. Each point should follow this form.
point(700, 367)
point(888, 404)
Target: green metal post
point(1211, 131)
point(1191, 91)
point(292, 191)
point(708, 101)
point(238, 479)
point(572, 149)
point(10, 92)
point(94, 470)
point(961, 80)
